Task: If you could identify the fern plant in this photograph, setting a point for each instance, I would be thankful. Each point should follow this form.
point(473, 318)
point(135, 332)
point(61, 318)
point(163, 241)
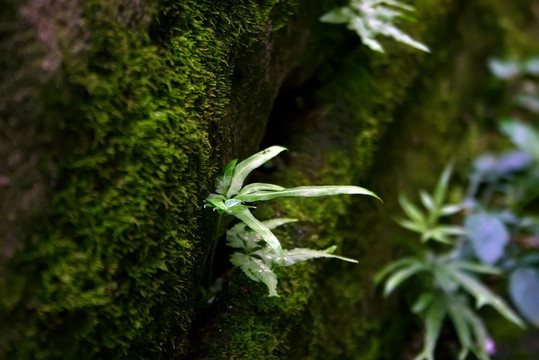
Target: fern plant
point(260, 248)
point(448, 279)
point(257, 259)
point(372, 18)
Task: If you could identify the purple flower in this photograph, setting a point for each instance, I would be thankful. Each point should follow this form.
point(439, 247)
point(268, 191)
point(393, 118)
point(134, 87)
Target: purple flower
point(490, 346)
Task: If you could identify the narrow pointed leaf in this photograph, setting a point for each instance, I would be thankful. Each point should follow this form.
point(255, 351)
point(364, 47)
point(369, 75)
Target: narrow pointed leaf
point(256, 187)
point(437, 234)
point(244, 168)
point(475, 267)
point(338, 16)
point(433, 323)
point(392, 267)
point(398, 4)
point(217, 202)
point(296, 255)
point(242, 237)
point(222, 183)
point(478, 329)
point(411, 210)
point(273, 223)
point(398, 277)
point(306, 191)
point(423, 302)
point(443, 277)
point(230, 203)
point(426, 199)
point(450, 210)
point(484, 296)
point(461, 328)
point(451, 230)
point(407, 224)
point(249, 220)
point(442, 234)
point(440, 191)
point(256, 270)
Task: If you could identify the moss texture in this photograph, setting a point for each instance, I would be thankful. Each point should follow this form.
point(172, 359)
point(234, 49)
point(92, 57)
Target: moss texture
point(108, 111)
point(116, 116)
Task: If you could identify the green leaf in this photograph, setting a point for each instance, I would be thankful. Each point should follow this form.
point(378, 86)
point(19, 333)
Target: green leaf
point(273, 223)
point(296, 255)
point(256, 187)
point(433, 323)
point(439, 234)
point(306, 191)
point(400, 36)
point(407, 224)
point(256, 270)
point(475, 267)
point(461, 327)
point(242, 237)
point(450, 209)
point(338, 16)
point(443, 278)
point(426, 199)
point(230, 203)
point(249, 220)
point(451, 230)
point(398, 4)
point(222, 183)
point(440, 191)
point(392, 267)
point(371, 18)
point(442, 234)
point(423, 302)
point(412, 211)
point(478, 328)
point(398, 277)
point(484, 296)
point(217, 202)
point(244, 168)
point(524, 136)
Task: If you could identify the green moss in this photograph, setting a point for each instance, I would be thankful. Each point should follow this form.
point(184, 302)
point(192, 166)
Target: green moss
point(110, 268)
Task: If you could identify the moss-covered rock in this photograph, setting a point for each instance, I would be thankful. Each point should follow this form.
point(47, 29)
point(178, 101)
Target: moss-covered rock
point(117, 114)
point(111, 114)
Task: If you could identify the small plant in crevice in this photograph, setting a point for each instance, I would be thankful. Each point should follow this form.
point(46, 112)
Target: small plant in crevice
point(257, 249)
point(448, 279)
point(372, 18)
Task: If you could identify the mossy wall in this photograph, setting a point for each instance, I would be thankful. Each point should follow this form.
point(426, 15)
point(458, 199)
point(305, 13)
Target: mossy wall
point(116, 116)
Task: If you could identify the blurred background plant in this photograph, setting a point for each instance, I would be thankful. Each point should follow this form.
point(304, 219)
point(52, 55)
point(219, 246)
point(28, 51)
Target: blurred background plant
point(447, 278)
point(373, 18)
point(493, 236)
point(502, 219)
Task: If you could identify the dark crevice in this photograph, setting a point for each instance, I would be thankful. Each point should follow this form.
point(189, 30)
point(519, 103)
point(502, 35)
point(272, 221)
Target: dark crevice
point(288, 111)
